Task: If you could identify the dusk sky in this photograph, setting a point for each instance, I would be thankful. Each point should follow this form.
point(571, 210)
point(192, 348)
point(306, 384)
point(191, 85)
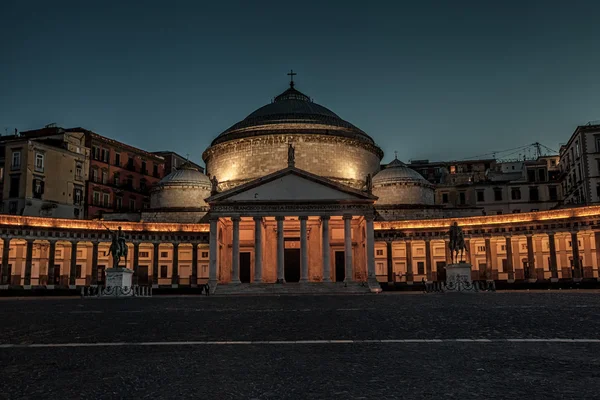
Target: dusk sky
point(439, 80)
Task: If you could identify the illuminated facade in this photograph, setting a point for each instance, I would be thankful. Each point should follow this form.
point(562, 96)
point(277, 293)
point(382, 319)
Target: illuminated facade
point(293, 193)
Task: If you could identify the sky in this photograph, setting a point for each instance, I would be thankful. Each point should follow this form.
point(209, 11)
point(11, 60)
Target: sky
point(437, 80)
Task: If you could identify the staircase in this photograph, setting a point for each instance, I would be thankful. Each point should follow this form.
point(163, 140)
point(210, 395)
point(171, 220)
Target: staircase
point(249, 289)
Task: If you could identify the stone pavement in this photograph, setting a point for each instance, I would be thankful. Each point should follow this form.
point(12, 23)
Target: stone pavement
point(487, 345)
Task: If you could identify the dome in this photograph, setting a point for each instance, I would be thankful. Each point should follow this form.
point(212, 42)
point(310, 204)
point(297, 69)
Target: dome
point(292, 107)
point(185, 175)
point(397, 171)
point(184, 188)
point(400, 185)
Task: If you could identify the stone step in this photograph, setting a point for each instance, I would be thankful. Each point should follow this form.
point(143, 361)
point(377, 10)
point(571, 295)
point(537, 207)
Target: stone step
point(290, 288)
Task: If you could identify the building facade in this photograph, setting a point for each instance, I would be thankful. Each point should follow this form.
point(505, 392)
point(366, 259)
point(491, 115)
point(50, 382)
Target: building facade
point(173, 161)
point(294, 194)
point(44, 173)
point(580, 166)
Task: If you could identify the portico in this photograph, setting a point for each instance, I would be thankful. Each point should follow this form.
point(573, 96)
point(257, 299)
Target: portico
point(287, 215)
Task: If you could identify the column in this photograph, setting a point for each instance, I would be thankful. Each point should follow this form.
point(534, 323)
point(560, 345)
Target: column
point(390, 262)
point(51, 256)
point(73, 271)
point(280, 251)
point(510, 269)
point(303, 250)
point(212, 253)
point(575, 248)
point(447, 251)
point(530, 258)
point(235, 259)
point(5, 255)
point(409, 266)
point(325, 248)
point(175, 274)
point(487, 274)
point(28, 262)
point(370, 249)
point(553, 264)
point(348, 247)
point(94, 263)
point(155, 258)
point(428, 260)
point(194, 277)
point(136, 261)
point(597, 239)
point(257, 249)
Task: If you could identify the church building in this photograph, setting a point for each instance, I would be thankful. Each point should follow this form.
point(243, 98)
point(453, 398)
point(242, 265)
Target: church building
point(294, 193)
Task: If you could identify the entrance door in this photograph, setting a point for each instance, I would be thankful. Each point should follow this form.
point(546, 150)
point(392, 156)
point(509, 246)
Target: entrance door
point(142, 274)
point(440, 267)
point(101, 275)
point(292, 265)
point(245, 267)
point(340, 266)
point(56, 275)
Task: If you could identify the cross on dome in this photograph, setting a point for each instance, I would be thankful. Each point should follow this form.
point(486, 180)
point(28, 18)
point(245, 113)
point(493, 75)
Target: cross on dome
point(291, 75)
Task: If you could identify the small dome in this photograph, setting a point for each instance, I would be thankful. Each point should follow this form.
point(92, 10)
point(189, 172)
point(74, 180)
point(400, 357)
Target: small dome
point(397, 171)
point(185, 175)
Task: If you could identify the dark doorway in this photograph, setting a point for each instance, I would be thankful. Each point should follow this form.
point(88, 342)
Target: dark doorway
point(56, 275)
point(245, 267)
point(142, 275)
point(340, 266)
point(440, 267)
point(292, 265)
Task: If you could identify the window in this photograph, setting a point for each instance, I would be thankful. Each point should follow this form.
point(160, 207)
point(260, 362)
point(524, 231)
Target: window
point(164, 254)
point(542, 175)
point(119, 203)
point(15, 183)
point(379, 252)
point(77, 196)
point(106, 199)
point(95, 153)
point(480, 195)
point(144, 170)
point(39, 162)
point(497, 194)
point(515, 193)
point(502, 247)
point(420, 267)
point(380, 269)
point(481, 249)
point(553, 193)
point(578, 243)
point(78, 271)
point(444, 198)
point(16, 160)
point(132, 204)
point(130, 182)
point(531, 175)
point(104, 176)
point(142, 184)
point(12, 207)
point(130, 165)
point(118, 159)
point(534, 194)
point(523, 246)
point(144, 254)
point(38, 188)
point(204, 254)
point(453, 169)
point(461, 198)
point(553, 163)
point(94, 175)
point(116, 178)
point(155, 171)
point(577, 149)
point(105, 155)
point(163, 271)
point(78, 171)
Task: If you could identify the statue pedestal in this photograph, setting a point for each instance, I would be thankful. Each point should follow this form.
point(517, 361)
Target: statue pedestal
point(118, 283)
point(458, 278)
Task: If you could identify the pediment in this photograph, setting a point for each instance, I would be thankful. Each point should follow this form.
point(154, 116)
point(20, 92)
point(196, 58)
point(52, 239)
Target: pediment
point(292, 185)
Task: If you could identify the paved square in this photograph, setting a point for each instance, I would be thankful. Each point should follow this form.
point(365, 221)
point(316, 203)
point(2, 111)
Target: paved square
point(487, 345)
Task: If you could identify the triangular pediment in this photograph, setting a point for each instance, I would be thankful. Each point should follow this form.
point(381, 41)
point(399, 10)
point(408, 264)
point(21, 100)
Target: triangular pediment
point(292, 184)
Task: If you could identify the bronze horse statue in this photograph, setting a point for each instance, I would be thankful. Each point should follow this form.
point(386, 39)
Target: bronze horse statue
point(457, 243)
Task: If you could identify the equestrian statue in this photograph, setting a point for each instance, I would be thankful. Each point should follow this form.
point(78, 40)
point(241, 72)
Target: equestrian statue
point(118, 247)
point(457, 243)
